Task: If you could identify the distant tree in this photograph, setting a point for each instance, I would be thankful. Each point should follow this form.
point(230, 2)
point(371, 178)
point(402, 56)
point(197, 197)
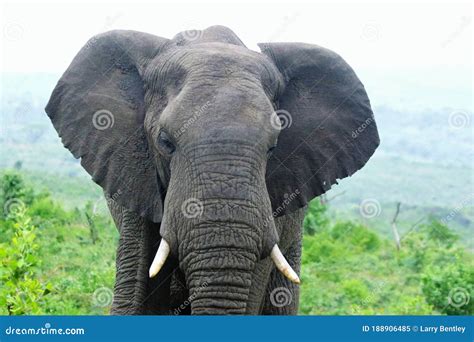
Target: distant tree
point(316, 217)
point(18, 165)
point(440, 233)
point(89, 213)
point(14, 192)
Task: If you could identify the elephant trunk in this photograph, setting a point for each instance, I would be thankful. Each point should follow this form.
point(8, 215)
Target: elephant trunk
point(219, 281)
point(219, 232)
point(219, 255)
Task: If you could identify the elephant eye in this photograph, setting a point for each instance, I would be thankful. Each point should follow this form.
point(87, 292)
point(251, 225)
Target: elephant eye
point(165, 144)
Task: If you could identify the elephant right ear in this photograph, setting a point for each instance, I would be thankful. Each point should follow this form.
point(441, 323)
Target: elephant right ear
point(329, 128)
point(98, 110)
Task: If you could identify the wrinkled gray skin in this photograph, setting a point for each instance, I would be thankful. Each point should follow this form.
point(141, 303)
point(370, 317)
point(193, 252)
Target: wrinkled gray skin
point(192, 153)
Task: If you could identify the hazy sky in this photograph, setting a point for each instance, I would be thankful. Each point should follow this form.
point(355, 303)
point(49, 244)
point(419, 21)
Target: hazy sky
point(429, 42)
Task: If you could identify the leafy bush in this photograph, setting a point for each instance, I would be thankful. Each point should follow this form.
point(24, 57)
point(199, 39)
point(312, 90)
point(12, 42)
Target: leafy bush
point(21, 291)
point(13, 186)
point(439, 233)
point(356, 235)
point(348, 269)
point(316, 218)
point(36, 228)
point(450, 288)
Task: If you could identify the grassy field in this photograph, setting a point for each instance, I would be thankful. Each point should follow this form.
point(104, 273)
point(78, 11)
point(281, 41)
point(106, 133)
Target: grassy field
point(57, 260)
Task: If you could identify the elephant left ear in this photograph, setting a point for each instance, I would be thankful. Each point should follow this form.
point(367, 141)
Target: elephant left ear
point(328, 128)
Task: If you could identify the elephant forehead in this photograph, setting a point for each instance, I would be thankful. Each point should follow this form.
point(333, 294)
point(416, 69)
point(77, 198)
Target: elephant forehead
point(212, 62)
point(227, 107)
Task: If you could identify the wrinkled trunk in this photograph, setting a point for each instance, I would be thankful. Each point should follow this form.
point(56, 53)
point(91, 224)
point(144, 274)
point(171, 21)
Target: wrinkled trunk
point(219, 249)
point(222, 289)
point(219, 255)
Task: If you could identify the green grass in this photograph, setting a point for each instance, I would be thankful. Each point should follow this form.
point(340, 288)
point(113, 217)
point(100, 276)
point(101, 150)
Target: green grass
point(348, 268)
point(73, 259)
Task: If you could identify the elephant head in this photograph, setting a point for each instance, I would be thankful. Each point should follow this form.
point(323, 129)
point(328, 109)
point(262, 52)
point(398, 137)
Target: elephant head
point(213, 141)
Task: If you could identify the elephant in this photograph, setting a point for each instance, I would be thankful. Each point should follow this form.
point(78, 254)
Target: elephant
point(208, 153)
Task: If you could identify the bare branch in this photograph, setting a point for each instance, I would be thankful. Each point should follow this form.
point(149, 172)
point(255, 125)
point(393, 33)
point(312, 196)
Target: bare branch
point(336, 195)
point(394, 226)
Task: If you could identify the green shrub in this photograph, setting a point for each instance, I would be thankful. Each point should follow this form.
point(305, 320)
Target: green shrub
point(356, 235)
point(348, 269)
point(355, 290)
point(14, 192)
point(439, 233)
point(410, 305)
point(316, 218)
point(21, 292)
point(450, 288)
point(45, 210)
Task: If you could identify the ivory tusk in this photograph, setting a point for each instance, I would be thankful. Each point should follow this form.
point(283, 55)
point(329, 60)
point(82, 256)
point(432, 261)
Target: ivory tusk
point(283, 266)
point(160, 258)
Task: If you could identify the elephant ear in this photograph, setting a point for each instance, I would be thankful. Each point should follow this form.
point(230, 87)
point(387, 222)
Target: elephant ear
point(98, 110)
point(328, 128)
